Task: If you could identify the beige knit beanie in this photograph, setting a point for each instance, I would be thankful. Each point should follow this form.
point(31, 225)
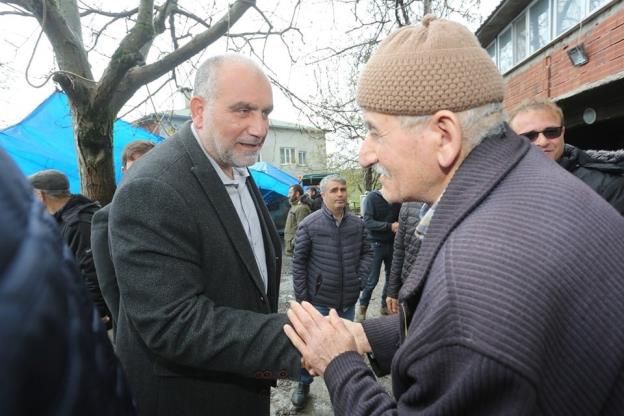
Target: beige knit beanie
point(421, 69)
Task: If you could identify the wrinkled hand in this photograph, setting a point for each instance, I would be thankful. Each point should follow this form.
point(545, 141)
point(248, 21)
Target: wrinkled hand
point(358, 333)
point(393, 305)
point(319, 340)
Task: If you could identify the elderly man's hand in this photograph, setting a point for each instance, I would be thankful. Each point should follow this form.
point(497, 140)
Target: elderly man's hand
point(393, 305)
point(318, 339)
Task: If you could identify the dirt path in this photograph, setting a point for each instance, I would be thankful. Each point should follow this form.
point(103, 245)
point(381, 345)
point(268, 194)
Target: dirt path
point(319, 403)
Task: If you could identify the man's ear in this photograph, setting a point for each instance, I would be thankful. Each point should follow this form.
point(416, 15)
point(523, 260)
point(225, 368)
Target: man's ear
point(197, 105)
point(446, 124)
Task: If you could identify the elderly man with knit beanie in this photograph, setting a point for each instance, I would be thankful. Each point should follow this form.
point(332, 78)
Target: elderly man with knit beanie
point(515, 304)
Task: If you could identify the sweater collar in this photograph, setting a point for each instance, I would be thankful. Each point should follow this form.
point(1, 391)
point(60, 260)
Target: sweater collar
point(482, 170)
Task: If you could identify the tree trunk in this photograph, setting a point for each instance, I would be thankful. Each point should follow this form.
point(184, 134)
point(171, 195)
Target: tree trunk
point(368, 178)
point(426, 7)
point(94, 145)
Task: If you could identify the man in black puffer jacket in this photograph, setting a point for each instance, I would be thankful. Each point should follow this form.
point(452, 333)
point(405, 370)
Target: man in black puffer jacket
point(541, 121)
point(406, 245)
point(331, 261)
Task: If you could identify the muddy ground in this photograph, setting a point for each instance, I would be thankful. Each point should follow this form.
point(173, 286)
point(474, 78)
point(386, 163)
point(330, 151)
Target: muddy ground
point(319, 403)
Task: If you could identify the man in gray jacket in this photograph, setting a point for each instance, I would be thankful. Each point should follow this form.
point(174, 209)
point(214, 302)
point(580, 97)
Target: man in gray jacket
point(198, 258)
point(331, 261)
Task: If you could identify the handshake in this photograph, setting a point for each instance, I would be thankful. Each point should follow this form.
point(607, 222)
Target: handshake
point(320, 338)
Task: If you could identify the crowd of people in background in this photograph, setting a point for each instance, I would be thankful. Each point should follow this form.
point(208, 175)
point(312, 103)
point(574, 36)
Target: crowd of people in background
point(503, 289)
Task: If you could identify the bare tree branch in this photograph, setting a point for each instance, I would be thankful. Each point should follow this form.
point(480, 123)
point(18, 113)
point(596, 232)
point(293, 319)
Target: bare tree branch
point(138, 76)
point(68, 48)
point(194, 17)
point(16, 12)
point(117, 15)
point(128, 53)
point(97, 34)
point(148, 97)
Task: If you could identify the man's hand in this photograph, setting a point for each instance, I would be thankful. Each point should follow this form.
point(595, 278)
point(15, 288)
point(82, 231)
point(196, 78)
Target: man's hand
point(318, 339)
point(357, 330)
point(395, 227)
point(393, 305)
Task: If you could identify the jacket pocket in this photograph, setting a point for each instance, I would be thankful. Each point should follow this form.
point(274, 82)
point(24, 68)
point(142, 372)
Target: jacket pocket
point(318, 284)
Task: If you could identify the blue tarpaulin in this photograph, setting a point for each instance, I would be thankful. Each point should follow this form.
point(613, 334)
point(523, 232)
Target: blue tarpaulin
point(45, 140)
point(272, 181)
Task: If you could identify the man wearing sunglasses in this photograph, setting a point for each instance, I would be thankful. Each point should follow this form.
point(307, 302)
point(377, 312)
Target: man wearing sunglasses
point(541, 121)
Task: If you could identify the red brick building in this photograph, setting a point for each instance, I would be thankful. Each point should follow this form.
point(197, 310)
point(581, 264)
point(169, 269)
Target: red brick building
point(533, 43)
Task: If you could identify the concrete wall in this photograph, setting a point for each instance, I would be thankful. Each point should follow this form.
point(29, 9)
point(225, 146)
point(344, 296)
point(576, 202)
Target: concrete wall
point(310, 141)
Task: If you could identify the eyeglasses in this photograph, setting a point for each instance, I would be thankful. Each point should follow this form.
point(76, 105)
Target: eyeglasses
point(548, 132)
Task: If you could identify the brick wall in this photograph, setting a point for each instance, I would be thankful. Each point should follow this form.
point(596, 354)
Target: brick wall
point(551, 74)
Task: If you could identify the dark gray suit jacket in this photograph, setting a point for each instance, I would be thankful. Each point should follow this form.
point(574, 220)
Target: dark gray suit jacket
point(196, 332)
point(103, 264)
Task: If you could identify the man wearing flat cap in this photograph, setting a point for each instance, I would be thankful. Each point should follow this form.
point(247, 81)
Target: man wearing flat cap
point(73, 213)
point(515, 303)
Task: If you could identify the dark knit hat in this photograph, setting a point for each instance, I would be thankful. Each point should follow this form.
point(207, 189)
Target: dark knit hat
point(50, 180)
point(421, 69)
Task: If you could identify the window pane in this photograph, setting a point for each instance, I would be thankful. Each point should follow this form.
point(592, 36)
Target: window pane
point(287, 155)
point(505, 51)
point(569, 13)
point(302, 158)
point(594, 4)
point(539, 25)
point(491, 50)
point(520, 50)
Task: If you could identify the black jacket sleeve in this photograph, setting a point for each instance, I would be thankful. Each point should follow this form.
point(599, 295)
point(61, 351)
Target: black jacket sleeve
point(78, 237)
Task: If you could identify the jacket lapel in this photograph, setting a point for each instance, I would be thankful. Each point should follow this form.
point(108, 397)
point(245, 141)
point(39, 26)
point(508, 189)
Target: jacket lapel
point(216, 193)
point(480, 172)
point(272, 245)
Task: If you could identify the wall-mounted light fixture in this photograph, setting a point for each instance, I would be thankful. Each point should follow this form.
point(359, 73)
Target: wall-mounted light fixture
point(577, 55)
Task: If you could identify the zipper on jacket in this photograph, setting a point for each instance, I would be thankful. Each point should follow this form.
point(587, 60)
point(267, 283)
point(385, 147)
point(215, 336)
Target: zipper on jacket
point(341, 299)
point(404, 320)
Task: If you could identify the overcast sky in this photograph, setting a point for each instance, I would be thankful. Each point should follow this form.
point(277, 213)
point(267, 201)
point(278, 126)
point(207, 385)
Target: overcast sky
point(18, 36)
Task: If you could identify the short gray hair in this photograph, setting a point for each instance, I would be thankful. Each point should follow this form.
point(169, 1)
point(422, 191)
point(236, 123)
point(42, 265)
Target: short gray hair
point(207, 73)
point(477, 123)
point(331, 178)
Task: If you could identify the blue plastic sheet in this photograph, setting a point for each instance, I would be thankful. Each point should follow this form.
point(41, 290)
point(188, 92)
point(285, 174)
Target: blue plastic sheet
point(45, 140)
point(272, 181)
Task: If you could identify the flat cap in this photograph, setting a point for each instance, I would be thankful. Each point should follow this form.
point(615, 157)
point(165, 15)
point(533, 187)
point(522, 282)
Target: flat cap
point(49, 180)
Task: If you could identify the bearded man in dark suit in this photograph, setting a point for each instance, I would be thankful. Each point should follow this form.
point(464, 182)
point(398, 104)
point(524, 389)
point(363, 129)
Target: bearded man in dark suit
point(198, 259)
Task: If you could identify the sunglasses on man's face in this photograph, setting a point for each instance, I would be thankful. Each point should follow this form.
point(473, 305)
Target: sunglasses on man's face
point(548, 132)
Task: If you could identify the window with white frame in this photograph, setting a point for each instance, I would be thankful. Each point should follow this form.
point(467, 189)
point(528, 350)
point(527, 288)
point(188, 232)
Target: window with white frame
point(520, 38)
point(569, 13)
point(505, 51)
point(302, 158)
point(491, 50)
point(287, 155)
point(536, 26)
point(594, 4)
point(539, 25)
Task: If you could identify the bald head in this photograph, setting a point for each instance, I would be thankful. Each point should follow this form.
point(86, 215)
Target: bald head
point(207, 83)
